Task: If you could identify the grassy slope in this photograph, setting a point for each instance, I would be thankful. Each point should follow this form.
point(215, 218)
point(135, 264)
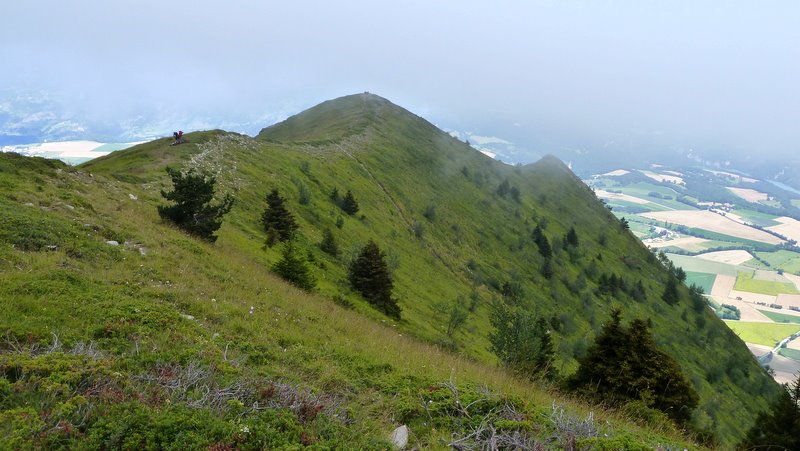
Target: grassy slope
point(397, 166)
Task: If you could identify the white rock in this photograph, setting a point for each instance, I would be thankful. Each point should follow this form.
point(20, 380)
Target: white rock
point(132, 197)
point(112, 243)
point(399, 437)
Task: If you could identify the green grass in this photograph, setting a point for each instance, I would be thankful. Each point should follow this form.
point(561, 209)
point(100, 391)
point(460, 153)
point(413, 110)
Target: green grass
point(701, 279)
point(781, 317)
point(137, 307)
point(767, 334)
point(789, 353)
point(745, 281)
point(758, 218)
point(788, 261)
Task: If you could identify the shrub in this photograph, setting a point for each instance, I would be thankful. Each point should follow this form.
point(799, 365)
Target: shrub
point(293, 268)
point(192, 210)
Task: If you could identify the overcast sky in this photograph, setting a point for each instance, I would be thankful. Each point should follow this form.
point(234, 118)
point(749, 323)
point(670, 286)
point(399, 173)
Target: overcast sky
point(719, 75)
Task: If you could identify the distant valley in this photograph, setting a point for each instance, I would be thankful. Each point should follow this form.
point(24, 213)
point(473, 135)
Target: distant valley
point(734, 235)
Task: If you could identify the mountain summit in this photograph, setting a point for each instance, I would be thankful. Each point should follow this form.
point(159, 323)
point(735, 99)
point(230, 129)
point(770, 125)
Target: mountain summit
point(89, 265)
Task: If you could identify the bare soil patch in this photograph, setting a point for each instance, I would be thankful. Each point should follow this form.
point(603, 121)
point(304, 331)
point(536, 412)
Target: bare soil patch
point(789, 228)
point(619, 196)
point(748, 194)
point(734, 257)
point(617, 173)
point(689, 243)
point(664, 177)
point(723, 286)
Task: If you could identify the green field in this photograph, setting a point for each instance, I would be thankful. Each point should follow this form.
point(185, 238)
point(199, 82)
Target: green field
point(796, 202)
point(694, 264)
point(757, 218)
point(781, 317)
point(786, 260)
point(793, 354)
point(767, 334)
point(746, 282)
point(703, 280)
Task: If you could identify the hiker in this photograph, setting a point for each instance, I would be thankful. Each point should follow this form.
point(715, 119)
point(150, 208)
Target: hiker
point(180, 137)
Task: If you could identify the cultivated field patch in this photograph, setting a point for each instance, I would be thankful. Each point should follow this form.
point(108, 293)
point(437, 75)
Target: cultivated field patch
point(781, 317)
point(733, 257)
point(723, 284)
point(689, 243)
point(788, 227)
point(616, 173)
point(714, 222)
point(619, 196)
point(732, 176)
point(701, 279)
point(748, 194)
point(664, 177)
point(746, 281)
point(767, 334)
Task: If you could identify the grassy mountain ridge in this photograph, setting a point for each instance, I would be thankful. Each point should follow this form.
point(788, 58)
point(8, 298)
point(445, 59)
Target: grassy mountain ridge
point(436, 206)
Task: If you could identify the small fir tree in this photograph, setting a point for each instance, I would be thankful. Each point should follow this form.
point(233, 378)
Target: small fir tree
point(192, 210)
point(369, 275)
point(293, 268)
point(541, 242)
point(571, 239)
point(778, 428)
point(671, 295)
point(328, 244)
point(278, 221)
point(349, 204)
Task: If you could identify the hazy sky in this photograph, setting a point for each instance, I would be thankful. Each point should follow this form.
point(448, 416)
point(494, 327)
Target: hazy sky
point(546, 75)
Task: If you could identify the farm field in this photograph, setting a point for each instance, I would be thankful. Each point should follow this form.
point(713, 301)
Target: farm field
point(703, 219)
point(789, 353)
point(664, 177)
point(732, 176)
point(701, 279)
point(755, 217)
point(748, 194)
point(787, 261)
point(733, 257)
point(747, 281)
point(781, 317)
point(767, 334)
point(789, 227)
point(695, 264)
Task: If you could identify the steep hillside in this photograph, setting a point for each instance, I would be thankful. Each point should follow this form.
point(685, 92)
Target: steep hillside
point(456, 226)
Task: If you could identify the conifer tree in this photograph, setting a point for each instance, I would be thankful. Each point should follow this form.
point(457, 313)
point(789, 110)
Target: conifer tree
point(671, 295)
point(369, 275)
point(541, 241)
point(779, 428)
point(293, 268)
point(572, 237)
point(192, 210)
point(328, 243)
point(625, 364)
point(278, 221)
point(349, 204)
